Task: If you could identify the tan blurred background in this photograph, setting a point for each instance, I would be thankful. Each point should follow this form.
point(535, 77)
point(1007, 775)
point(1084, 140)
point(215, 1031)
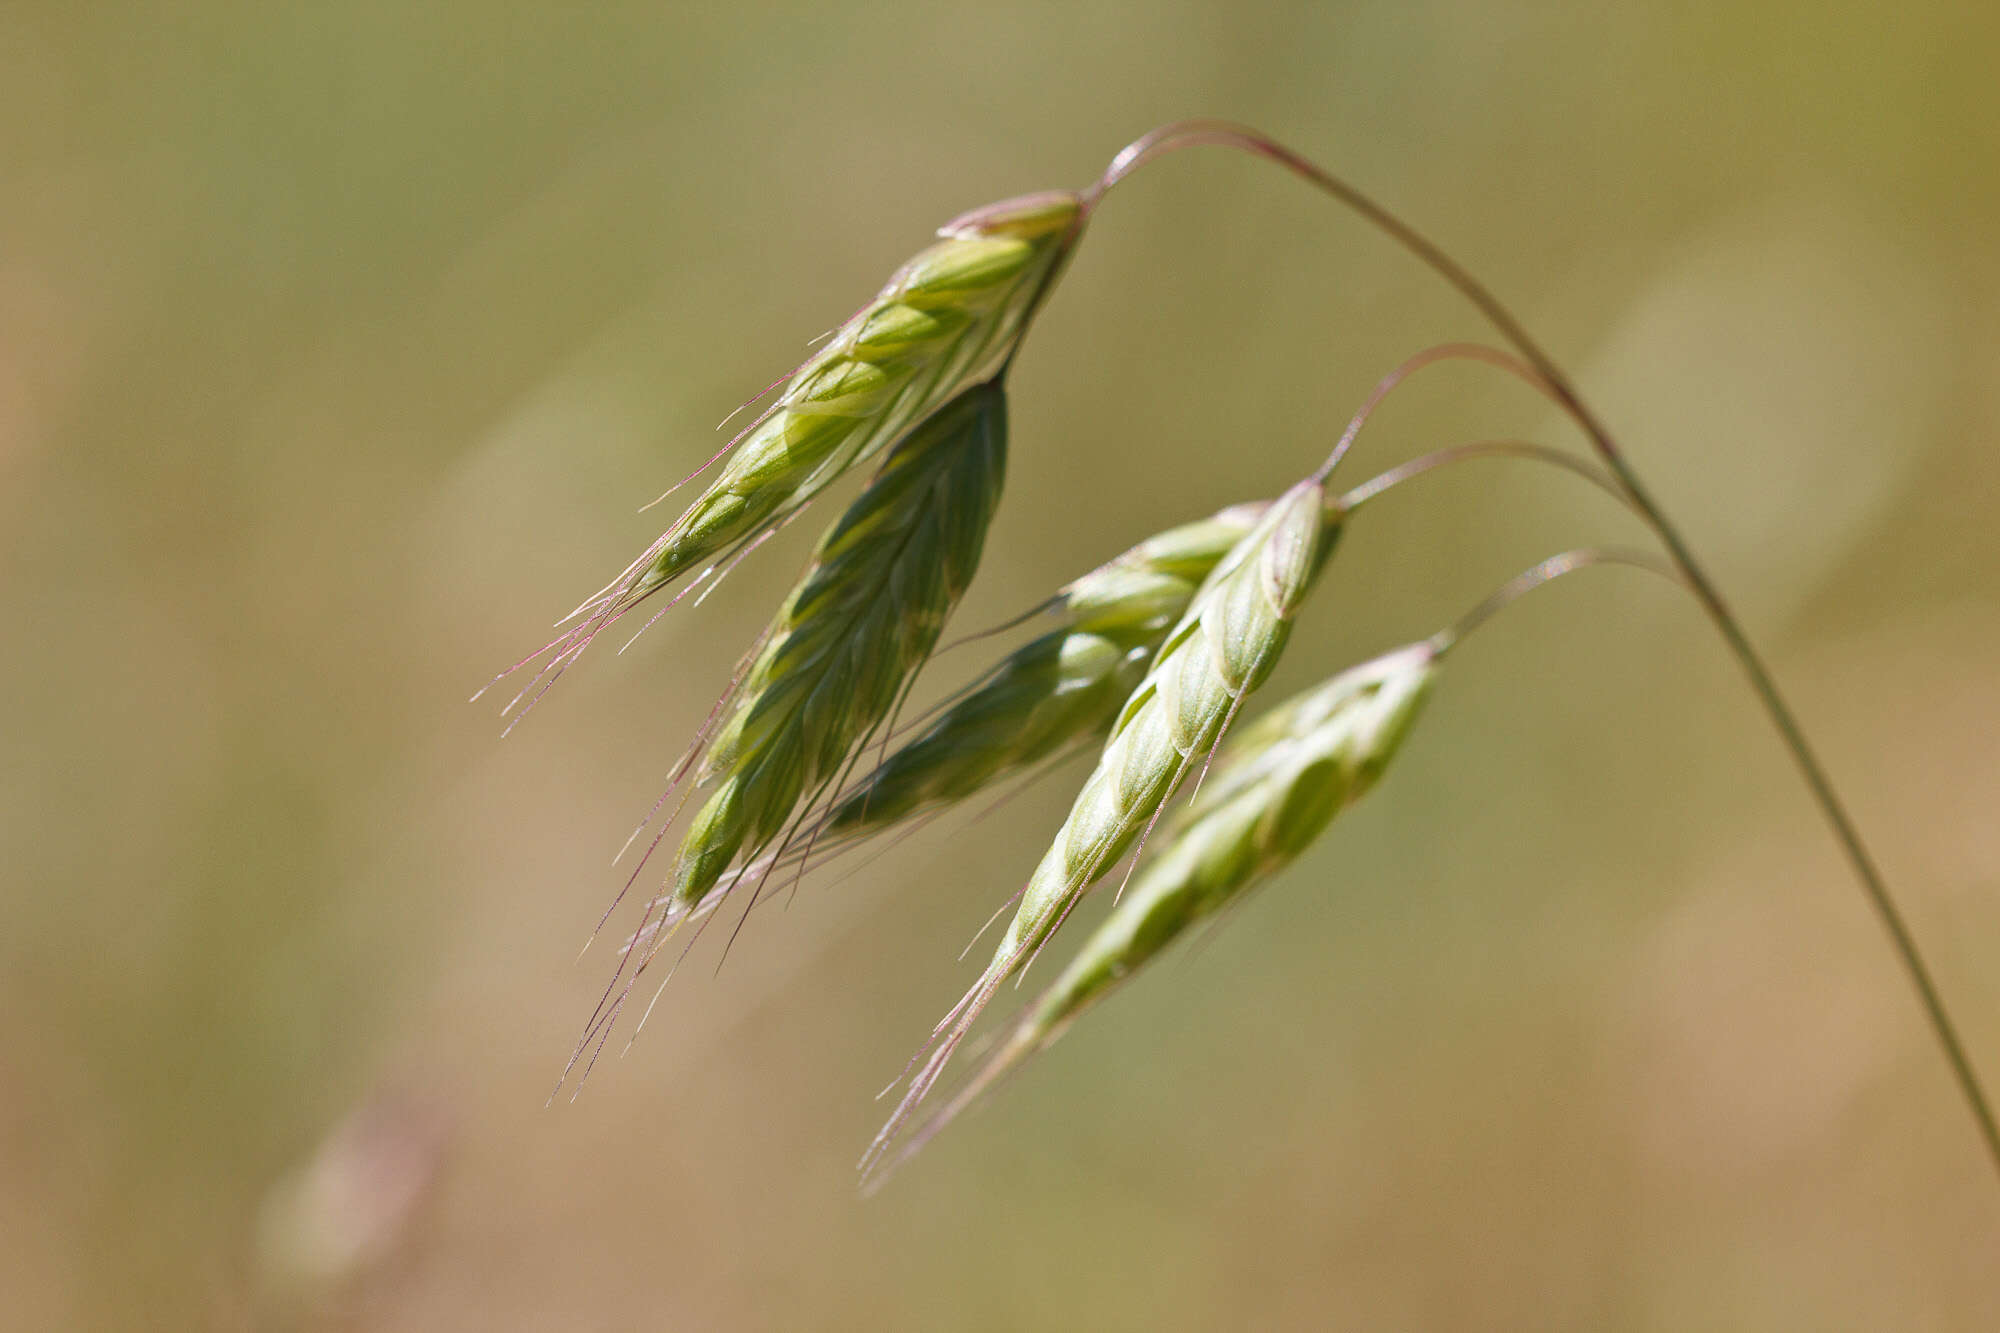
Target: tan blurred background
point(338, 345)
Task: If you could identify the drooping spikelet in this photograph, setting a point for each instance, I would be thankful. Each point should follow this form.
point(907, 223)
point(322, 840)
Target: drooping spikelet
point(1273, 789)
point(1222, 649)
point(1055, 691)
point(1055, 694)
point(865, 616)
point(1060, 690)
point(945, 318)
point(1148, 587)
point(948, 318)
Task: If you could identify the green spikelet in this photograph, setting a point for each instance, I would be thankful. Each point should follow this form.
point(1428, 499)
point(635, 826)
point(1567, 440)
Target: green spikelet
point(1273, 790)
point(947, 318)
point(944, 319)
point(1222, 649)
point(1059, 690)
point(1053, 692)
point(1148, 587)
point(867, 613)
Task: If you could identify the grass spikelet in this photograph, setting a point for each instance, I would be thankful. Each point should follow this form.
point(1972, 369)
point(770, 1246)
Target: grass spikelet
point(1150, 585)
point(1273, 789)
point(1065, 688)
point(1221, 649)
point(1054, 692)
point(827, 670)
point(866, 615)
point(1062, 689)
point(948, 318)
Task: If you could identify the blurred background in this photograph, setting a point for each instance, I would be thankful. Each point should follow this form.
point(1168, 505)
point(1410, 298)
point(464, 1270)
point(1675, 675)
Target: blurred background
point(339, 345)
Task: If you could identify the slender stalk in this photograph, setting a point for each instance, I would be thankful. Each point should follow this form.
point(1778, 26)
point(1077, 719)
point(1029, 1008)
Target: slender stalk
point(1454, 454)
point(1544, 573)
point(1188, 134)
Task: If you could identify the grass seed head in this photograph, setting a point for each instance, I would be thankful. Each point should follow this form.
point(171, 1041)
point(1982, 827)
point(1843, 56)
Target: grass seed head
point(1056, 693)
point(868, 611)
point(1050, 694)
point(1150, 585)
point(945, 319)
point(1222, 648)
point(1274, 788)
point(1062, 689)
point(950, 317)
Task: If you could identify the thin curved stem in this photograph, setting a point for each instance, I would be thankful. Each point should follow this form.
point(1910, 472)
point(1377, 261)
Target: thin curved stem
point(1545, 572)
point(1430, 356)
point(1460, 453)
point(1188, 134)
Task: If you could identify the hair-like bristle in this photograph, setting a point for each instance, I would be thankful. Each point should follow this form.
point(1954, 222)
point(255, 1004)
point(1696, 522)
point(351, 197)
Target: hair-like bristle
point(1154, 653)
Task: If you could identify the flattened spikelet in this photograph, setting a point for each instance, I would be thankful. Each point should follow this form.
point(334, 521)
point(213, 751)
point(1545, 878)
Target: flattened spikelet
point(1273, 790)
point(1060, 690)
point(1222, 649)
point(1055, 694)
point(948, 318)
point(1056, 691)
point(883, 580)
point(1147, 588)
point(867, 613)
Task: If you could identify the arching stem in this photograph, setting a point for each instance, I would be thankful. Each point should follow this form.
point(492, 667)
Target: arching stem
point(1452, 455)
point(1188, 134)
point(1545, 572)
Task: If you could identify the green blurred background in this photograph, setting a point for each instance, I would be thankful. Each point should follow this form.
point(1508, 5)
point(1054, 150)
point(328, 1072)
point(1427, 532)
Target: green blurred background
point(338, 345)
